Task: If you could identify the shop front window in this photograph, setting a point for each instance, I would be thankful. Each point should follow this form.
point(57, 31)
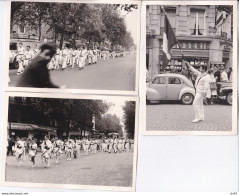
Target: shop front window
point(197, 23)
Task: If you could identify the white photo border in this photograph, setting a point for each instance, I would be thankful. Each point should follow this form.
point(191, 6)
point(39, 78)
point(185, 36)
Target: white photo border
point(143, 69)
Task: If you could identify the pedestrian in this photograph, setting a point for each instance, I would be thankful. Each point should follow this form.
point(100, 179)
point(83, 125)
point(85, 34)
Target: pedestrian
point(115, 145)
point(202, 86)
point(32, 151)
point(127, 145)
point(224, 77)
point(212, 91)
point(58, 58)
point(111, 142)
point(10, 146)
point(37, 74)
point(87, 146)
point(74, 56)
point(65, 56)
point(36, 51)
point(90, 56)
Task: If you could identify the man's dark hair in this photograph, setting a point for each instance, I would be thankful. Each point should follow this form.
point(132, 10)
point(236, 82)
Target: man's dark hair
point(50, 47)
point(204, 68)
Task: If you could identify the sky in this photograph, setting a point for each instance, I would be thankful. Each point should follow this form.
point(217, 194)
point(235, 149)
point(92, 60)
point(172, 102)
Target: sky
point(130, 18)
point(117, 108)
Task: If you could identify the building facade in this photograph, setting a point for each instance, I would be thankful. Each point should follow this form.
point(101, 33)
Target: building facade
point(204, 33)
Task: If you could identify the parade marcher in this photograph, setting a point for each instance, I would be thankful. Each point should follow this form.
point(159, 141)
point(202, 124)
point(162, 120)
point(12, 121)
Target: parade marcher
point(46, 151)
point(57, 149)
point(28, 56)
point(202, 86)
point(65, 56)
point(37, 74)
point(69, 150)
point(115, 145)
point(127, 145)
point(51, 64)
point(20, 58)
point(19, 150)
point(90, 56)
point(74, 57)
point(120, 145)
point(87, 145)
point(32, 151)
point(95, 52)
point(58, 58)
point(111, 141)
point(36, 50)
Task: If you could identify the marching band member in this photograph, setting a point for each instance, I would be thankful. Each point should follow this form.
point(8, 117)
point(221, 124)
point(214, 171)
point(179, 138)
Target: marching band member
point(20, 58)
point(46, 150)
point(19, 150)
point(32, 151)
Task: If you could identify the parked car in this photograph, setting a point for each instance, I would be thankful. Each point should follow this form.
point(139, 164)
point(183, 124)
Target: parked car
point(12, 56)
point(224, 91)
point(170, 86)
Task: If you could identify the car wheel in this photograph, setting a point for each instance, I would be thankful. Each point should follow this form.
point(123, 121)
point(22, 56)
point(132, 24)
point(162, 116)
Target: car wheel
point(15, 64)
point(187, 99)
point(229, 98)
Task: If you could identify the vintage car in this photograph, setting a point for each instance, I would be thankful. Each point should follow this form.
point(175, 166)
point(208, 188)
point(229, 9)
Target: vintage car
point(12, 55)
point(224, 91)
point(170, 86)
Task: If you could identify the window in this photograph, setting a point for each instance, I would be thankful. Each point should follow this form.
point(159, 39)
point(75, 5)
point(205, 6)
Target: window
point(197, 21)
point(159, 80)
point(174, 80)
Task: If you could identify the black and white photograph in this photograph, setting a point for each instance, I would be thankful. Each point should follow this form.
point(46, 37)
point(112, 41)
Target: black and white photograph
point(73, 47)
point(190, 68)
point(76, 142)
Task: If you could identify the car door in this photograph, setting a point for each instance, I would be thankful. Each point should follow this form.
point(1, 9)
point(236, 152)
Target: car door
point(174, 86)
point(159, 86)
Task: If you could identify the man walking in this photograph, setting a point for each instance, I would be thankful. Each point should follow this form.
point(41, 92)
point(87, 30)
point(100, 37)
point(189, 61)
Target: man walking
point(202, 86)
point(37, 74)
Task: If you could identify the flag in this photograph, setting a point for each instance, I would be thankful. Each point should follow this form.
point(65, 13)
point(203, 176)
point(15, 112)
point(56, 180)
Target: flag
point(169, 40)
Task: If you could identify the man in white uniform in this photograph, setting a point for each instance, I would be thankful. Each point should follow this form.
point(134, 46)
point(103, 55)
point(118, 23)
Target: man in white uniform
point(28, 56)
point(202, 86)
point(36, 50)
point(74, 56)
point(58, 58)
point(20, 58)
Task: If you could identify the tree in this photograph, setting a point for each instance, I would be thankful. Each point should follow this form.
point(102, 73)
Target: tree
point(129, 118)
point(15, 7)
point(109, 124)
point(70, 113)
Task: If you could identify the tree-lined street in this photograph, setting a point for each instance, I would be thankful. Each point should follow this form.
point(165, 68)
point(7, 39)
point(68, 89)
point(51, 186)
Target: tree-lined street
point(101, 169)
point(112, 74)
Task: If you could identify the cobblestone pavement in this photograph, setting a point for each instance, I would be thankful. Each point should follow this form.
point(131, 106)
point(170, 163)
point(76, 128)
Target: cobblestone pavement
point(104, 169)
point(112, 74)
point(178, 117)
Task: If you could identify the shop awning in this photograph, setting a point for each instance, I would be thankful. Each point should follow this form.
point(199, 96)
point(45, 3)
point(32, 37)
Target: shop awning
point(29, 127)
point(20, 126)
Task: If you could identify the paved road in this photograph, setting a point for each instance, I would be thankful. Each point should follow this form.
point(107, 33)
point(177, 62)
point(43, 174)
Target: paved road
point(178, 117)
point(112, 74)
point(114, 169)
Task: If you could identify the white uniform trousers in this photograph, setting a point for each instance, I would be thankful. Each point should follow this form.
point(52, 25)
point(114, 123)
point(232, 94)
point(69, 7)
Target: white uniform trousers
point(198, 106)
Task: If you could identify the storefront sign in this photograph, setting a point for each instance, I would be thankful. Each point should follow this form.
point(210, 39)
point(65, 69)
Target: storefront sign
point(199, 45)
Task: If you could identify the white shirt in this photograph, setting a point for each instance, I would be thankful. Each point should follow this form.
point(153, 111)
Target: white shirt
point(202, 81)
point(224, 76)
point(28, 54)
point(20, 50)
